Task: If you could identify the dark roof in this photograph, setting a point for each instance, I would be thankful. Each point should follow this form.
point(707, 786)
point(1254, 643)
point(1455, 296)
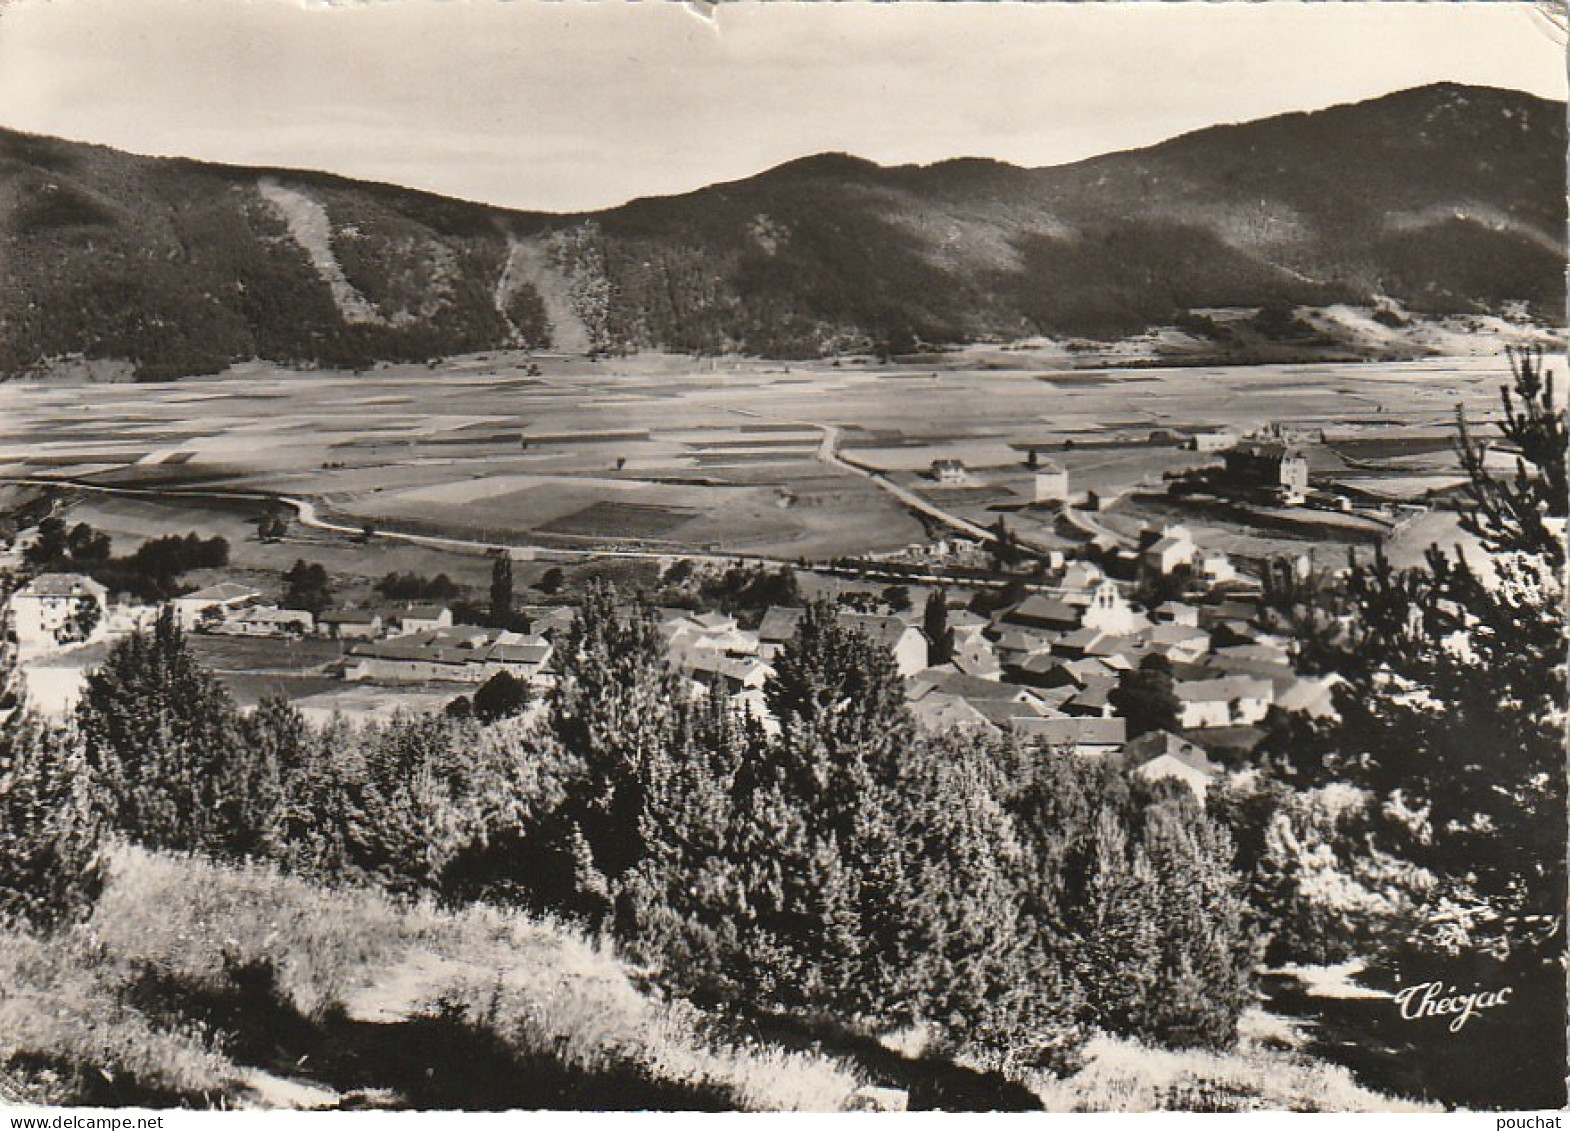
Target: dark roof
point(1265, 449)
point(1227, 738)
point(1039, 609)
point(779, 625)
point(967, 686)
point(61, 585)
point(350, 616)
point(1074, 731)
point(1153, 744)
point(1223, 690)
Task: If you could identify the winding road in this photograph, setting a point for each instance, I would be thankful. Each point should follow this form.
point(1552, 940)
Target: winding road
point(308, 514)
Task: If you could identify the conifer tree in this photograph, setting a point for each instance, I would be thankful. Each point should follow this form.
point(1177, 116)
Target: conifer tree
point(935, 625)
point(501, 591)
point(614, 708)
point(1455, 701)
point(50, 836)
point(163, 741)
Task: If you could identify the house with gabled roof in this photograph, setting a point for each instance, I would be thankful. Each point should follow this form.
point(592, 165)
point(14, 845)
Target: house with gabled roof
point(460, 654)
point(266, 620)
point(420, 618)
point(350, 624)
point(689, 635)
point(58, 608)
point(212, 602)
point(1177, 642)
point(1229, 701)
point(1166, 550)
point(1043, 613)
point(1162, 755)
point(1093, 700)
point(940, 712)
point(1177, 612)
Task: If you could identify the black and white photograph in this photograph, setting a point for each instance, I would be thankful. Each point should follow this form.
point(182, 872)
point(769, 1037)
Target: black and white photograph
point(782, 557)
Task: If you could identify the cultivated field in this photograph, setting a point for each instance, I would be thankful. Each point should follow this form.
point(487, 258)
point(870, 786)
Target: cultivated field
point(665, 454)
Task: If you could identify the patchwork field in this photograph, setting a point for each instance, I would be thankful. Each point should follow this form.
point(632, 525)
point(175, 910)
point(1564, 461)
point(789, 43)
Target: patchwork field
point(666, 454)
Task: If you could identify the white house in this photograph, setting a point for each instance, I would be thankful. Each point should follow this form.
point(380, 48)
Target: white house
point(1163, 755)
point(1174, 547)
point(1230, 701)
point(58, 608)
point(688, 636)
point(1217, 441)
point(1051, 482)
point(216, 601)
point(421, 618)
point(1177, 612)
point(1215, 567)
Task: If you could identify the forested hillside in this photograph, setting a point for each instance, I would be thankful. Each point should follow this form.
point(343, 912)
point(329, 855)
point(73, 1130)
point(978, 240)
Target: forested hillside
point(1448, 199)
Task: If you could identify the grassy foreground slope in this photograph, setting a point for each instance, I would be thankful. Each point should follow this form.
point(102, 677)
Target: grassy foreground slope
point(201, 985)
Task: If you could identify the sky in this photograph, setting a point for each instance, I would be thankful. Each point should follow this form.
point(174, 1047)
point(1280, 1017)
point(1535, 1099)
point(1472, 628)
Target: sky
point(568, 106)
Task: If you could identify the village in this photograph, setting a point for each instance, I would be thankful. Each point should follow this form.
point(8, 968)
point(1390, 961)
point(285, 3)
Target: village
point(1041, 661)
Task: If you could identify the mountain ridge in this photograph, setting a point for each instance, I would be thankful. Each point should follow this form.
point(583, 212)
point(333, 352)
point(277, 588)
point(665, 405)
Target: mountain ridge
point(1446, 199)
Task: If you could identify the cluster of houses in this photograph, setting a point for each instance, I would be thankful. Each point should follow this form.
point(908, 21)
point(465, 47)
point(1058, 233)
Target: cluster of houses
point(1044, 669)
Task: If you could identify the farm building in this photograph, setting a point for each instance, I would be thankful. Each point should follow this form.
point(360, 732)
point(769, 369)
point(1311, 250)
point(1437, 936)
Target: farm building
point(215, 601)
point(1051, 482)
point(1084, 736)
point(455, 655)
point(57, 608)
point(265, 620)
point(1217, 441)
point(350, 624)
point(949, 471)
